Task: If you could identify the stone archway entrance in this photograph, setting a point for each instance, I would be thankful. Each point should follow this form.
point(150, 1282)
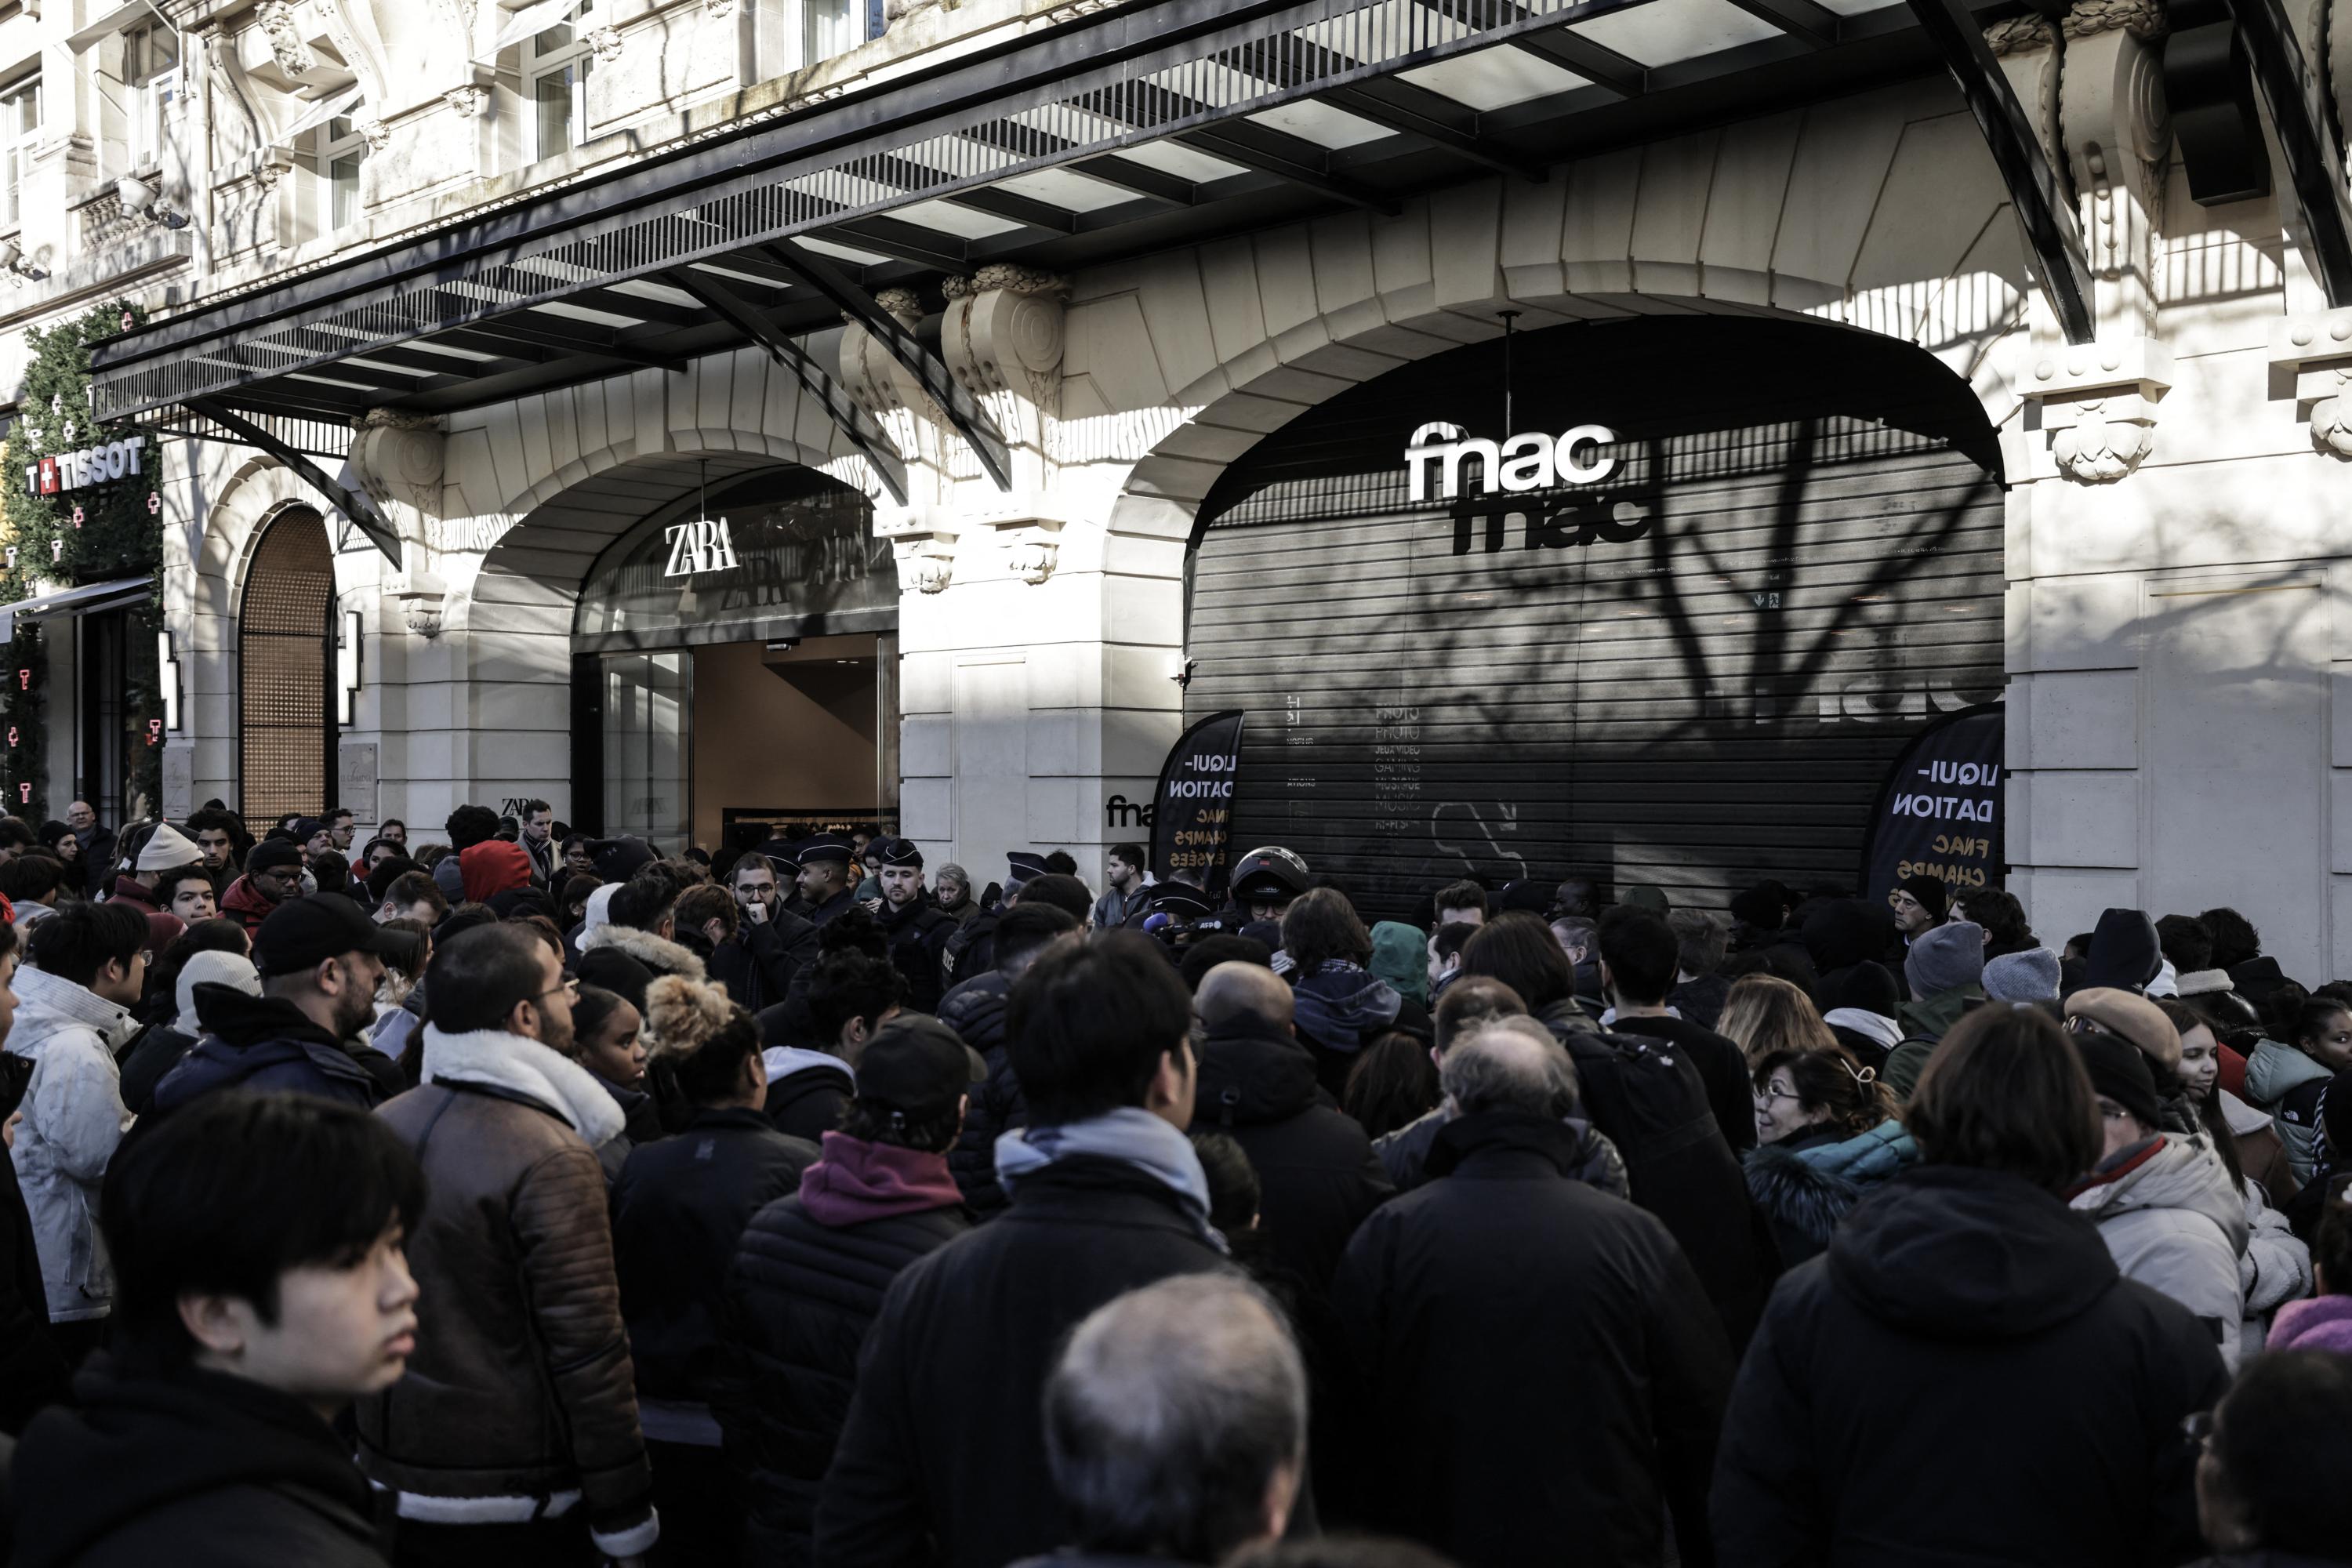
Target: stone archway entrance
point(285, 652)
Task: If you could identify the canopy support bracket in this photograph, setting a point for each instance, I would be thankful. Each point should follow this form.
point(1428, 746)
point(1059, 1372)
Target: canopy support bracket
point(352, 504)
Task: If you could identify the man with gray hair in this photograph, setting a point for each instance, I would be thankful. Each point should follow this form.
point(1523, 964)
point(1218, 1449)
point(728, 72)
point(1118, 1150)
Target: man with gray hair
point(1176, 1425)
point(1603, 1416)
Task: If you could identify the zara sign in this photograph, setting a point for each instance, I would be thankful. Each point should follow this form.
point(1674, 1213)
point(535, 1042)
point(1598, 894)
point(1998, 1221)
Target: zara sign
point(702, 546)
point(1535, 461)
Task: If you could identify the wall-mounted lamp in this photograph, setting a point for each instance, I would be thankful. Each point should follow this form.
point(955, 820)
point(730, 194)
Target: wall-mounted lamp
point(347, 669)
point(138, 196)
point(12, 259)
point(167, 676)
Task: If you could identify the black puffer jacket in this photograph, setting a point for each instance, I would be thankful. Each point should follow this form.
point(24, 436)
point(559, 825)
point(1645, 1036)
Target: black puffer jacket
point(1601, 1417)
point(809, 1280)
point(1317, 1177)
point(33, 1371)
point(679, 1211)
point(1964, 1378)
point(976, 1010)
point(758, 963)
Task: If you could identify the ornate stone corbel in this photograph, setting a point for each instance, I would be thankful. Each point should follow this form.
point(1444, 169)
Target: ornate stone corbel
point(922, 541)
point(2117, 136)
point(396, 460)
point(2317, 352)
point(287, 45)
point(871, 376)
point(467, 100)
point(272, 165)
point(2097, 404)
point(377, 134)
point(606, 43)
point(1003, 330)
point(423, 601)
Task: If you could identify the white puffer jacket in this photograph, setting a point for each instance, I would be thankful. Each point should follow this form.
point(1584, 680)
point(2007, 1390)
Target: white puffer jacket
point(74, 1117)
point(2274, 1270)
point(2176, 1222)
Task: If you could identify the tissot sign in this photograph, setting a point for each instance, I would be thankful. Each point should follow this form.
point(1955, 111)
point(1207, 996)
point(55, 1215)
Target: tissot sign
point(90, 466)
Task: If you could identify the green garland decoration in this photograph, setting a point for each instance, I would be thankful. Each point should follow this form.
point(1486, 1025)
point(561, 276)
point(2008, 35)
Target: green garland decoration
point(101, 532)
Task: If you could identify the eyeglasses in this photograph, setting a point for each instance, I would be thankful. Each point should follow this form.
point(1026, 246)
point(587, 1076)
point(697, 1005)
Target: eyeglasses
point(1768, 1096)
point(2084, 1024)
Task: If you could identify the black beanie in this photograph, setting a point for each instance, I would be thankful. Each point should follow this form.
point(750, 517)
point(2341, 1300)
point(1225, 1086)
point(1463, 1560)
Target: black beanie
point(2120, 1072)
point(2125, 953)
point(1867, 987)
point(1933, 892)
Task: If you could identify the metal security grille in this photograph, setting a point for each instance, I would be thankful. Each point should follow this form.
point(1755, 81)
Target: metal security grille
point(1708, 696)
point(284, 655)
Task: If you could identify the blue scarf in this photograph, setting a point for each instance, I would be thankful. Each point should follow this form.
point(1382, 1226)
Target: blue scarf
point(1131, 1136)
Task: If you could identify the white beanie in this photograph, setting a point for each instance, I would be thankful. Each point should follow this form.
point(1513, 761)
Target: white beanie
point(599, 911)
point(168, 848)
point(213, 967)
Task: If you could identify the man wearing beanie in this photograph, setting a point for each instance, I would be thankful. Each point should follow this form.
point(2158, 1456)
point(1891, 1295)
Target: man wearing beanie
point(2027, 976)
point(273, 874)
point(1920, 904)
point(2164, 1203)
point(1946, 971)
point(1858, 1004)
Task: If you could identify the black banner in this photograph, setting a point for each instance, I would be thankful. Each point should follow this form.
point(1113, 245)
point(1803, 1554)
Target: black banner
point(1939, 812)
point(1192, 808)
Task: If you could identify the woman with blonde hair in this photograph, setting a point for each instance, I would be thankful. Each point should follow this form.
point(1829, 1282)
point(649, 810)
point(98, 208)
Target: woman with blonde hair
point(1765, 1014)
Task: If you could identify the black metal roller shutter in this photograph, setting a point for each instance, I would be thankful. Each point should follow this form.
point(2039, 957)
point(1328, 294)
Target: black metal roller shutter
point(1441, 688)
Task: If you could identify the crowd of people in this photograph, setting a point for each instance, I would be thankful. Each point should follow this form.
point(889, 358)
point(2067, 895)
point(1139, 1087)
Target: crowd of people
point(532, 1197)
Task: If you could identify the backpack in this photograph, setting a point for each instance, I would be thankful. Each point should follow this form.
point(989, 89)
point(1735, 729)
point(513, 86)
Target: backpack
point(1647, 1097)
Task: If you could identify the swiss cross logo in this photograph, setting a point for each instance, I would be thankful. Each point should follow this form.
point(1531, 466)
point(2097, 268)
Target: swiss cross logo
point(47, 482)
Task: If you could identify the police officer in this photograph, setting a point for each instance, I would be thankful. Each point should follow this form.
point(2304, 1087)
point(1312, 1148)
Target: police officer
point(827, 878)
point(916, 933)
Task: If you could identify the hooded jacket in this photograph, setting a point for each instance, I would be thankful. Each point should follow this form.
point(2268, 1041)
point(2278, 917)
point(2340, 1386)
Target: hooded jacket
point(199, 1469)
point(74, 1117)
point(1967, 1326)
point(679, 1211)
point(263, 1044)
point(1601, 1417)
point(975, 1009)
point(615, 956)
point(808, 1282)
point(1340, 1007)
point(520, 1390)
point(1807, 1184)
point(2275, 1072)
point(1317, 1177)
point(808, 1091)
point(2171, 1218)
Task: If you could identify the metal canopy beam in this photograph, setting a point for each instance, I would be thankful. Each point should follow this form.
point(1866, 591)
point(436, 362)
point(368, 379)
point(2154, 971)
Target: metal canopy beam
point(963, 411)
point(2315, 159)
point(2060, 265)
point(1806, 19)
point(851, 421)
point(1597, 63)
point(355, 506)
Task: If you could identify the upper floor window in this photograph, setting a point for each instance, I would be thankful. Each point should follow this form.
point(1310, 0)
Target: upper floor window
point(341, 150)
point(151, 79)
point(830, 27)
point(20, 128)
point(555, 80)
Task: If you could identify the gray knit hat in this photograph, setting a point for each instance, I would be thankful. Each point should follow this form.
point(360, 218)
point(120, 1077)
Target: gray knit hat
point(1945, 958)
point(2027, 976)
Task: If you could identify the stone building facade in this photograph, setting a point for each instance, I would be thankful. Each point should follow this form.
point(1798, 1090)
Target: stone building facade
point(2174, 603)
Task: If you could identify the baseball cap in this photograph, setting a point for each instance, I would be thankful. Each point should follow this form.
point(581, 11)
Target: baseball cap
point(918, 1066)
point(301, 932)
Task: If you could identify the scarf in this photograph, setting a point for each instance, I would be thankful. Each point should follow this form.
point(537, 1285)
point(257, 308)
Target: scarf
point(858, 1180)
point(1130, 1135)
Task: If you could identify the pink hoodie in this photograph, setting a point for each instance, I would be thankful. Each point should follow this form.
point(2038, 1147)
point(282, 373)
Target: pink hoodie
point(857, 1180)
point(2322, 1323)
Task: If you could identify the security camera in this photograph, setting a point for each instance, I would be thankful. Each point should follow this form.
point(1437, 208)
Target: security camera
point(138, 196)
point(12, 259)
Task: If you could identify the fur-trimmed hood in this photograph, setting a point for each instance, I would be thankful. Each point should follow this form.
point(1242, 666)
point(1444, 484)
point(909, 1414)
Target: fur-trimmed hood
point(521, 1066)
point(658, 953)
point(1809, 1190)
